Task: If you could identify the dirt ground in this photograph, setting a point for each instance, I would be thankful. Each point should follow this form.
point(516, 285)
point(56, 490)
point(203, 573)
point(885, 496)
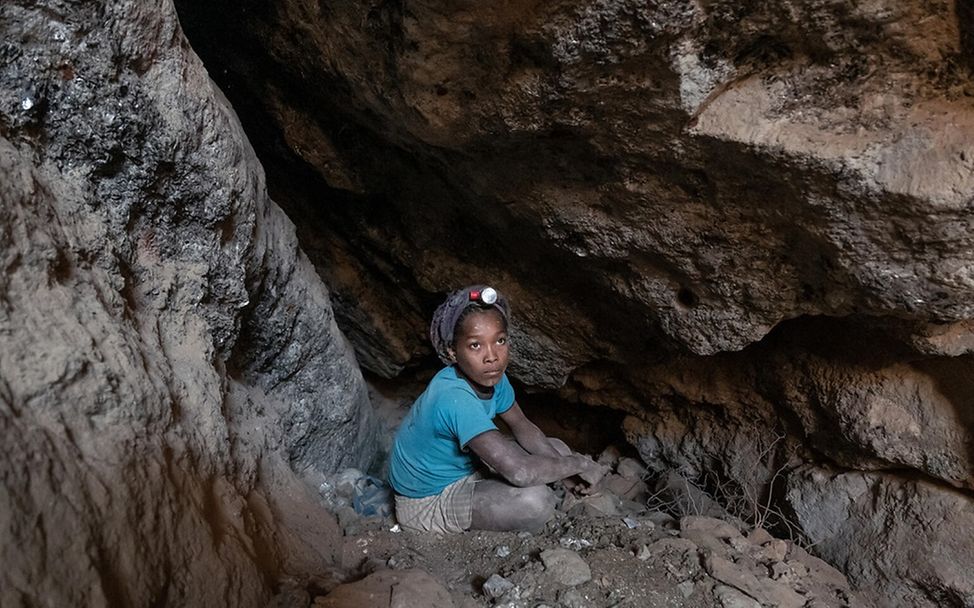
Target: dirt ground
point(464, 562)
point(627, 559)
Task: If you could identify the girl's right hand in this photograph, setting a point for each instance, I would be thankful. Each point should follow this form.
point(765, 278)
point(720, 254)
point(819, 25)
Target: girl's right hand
point(592, 472)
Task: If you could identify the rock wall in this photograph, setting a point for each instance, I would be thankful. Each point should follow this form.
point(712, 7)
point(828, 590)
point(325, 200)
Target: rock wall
point(168, 356)
point(731, 219)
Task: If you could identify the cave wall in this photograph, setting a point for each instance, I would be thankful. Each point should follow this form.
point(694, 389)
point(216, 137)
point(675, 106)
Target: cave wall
point(733, 220)
point(169, 361)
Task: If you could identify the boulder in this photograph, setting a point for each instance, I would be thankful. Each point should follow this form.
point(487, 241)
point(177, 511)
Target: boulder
point(876, 527)
point(169, 356)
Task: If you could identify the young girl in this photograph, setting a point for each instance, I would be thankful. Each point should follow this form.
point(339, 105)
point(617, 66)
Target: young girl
point(449, 433)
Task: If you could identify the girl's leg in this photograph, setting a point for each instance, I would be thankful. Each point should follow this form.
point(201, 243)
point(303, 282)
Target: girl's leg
point(497, 505)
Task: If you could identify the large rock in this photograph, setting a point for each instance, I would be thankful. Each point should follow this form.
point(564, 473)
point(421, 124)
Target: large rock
point(705, 171)
point(168, 356)
point(907, 541)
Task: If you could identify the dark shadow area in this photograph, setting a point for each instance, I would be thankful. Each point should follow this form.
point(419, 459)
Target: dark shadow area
point(965, 21)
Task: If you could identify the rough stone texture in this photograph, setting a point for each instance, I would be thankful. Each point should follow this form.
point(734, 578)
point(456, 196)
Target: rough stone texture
point(566, 566)
point(706, 170)
point(389, 589)
point(909, 540)
point(168, 357)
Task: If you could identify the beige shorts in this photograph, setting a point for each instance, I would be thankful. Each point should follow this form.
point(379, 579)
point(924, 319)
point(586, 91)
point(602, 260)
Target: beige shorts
point(449, 512)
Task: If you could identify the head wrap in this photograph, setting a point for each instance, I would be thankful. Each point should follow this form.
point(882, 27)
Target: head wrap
point(448, 313)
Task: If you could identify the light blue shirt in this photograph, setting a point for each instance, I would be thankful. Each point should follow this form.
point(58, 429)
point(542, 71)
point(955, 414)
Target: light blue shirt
point(429, 451)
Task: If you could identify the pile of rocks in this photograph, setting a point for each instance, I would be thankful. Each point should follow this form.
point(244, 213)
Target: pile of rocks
point(600, 551)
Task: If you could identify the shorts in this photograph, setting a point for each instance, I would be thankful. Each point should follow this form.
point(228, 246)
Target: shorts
point(449, 512)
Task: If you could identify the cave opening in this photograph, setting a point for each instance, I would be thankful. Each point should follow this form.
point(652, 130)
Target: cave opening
point(740, 431)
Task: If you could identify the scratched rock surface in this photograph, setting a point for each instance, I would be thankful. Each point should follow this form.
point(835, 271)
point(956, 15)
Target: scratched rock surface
point(168, 356)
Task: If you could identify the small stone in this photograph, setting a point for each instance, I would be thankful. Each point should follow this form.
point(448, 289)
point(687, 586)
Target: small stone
point(708, 525)
point(731, 574)
point(685, 588)
point(740, 544)
point(644, 553)
point(774, 551)
point(502, 551)
point(759, 536)
point(573, 598)
point(566, 566)
point(496, 586)
point(630, 468)
point(780, 595)
point(630, 523)
point(732, 598)
point(524, 535)
point(601, 505)
point(609, 456)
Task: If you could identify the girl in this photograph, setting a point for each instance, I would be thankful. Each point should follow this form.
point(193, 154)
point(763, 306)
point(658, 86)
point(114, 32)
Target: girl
point(450, 431)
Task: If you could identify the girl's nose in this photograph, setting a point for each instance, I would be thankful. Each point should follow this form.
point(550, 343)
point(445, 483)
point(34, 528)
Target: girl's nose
point(490, 354)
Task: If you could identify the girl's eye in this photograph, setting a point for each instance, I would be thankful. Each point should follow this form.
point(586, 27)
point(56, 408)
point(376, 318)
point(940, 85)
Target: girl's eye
point(502, 340)
point(475, 345)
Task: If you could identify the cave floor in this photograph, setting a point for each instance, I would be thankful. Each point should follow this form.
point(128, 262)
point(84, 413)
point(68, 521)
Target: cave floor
point(607, 545)
point(612, 549)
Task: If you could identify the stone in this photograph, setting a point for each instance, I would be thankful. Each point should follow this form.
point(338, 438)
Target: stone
point(721, 272)
point(565, 567)
point(759, 536)
point(877, 524)
point(496, 586)
point(730, 597)
point(573, 598)
point(762, 589)
point(773, 551)
point(683, 497)
point(389, 589)
point(632, 469)
point(154, 294)
point(679, 555)
point(708, 525)
point(622, 487)
point(600, 505)
point(609, 456)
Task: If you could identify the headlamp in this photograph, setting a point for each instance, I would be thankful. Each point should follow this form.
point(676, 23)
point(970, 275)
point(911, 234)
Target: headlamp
point(487, 295)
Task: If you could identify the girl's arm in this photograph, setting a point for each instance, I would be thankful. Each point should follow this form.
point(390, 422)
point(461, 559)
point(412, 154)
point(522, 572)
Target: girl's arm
point(522, 469)
point(527, 434)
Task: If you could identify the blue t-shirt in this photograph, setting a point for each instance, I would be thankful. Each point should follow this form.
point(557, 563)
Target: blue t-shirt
point(429, 452)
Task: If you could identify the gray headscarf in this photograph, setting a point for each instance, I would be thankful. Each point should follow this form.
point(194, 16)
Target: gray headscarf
point(448, 313)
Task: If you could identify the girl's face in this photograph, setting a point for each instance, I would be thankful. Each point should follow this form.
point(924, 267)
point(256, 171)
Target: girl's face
point(481, 348)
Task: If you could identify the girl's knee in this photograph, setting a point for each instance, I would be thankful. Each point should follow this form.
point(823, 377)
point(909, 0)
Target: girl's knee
point(538, 505)
point(560, 446)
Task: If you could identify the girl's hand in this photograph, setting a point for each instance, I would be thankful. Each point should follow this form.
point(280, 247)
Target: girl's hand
point(592, 472)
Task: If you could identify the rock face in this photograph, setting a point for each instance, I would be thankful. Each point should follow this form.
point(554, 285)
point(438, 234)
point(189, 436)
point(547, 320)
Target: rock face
point(749, 224)
point(879, 529)
point(168, 356)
